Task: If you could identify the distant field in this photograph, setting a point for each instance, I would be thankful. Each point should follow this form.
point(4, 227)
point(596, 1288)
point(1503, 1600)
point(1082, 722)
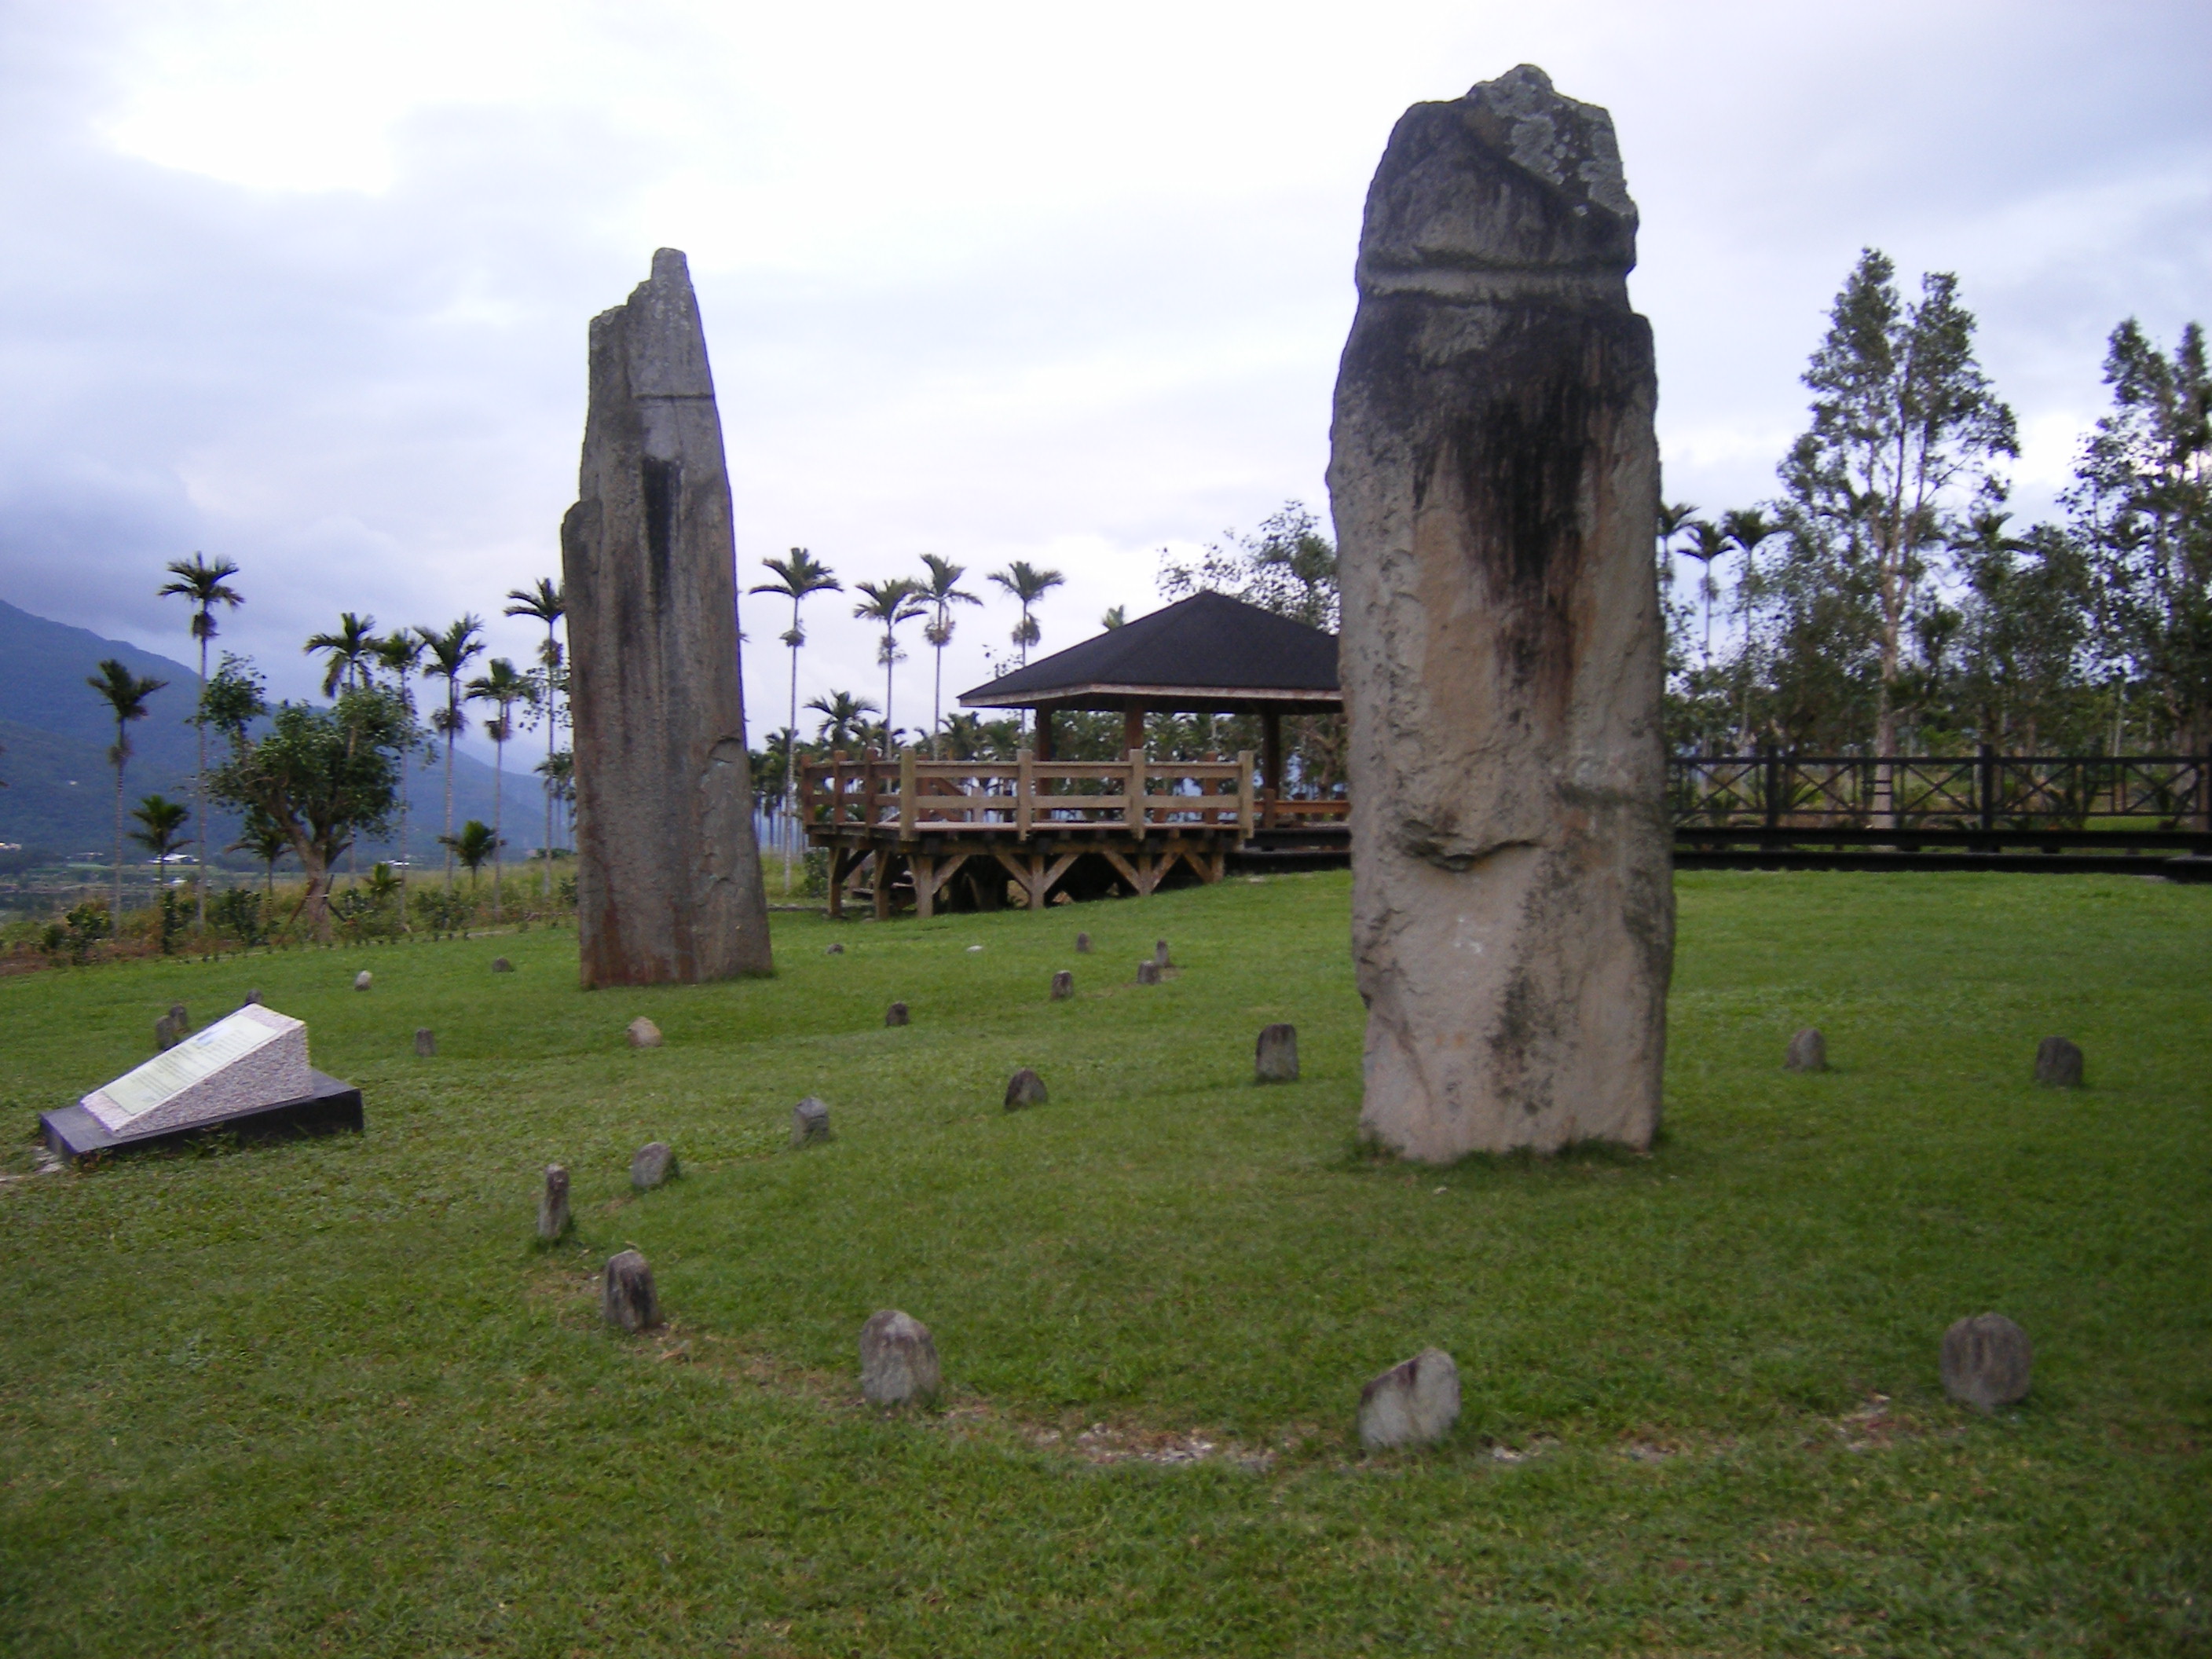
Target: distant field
point(329, 1397)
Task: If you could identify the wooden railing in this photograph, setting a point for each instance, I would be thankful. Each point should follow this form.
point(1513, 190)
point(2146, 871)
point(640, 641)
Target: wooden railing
point(916, 797)
point(1984, 792)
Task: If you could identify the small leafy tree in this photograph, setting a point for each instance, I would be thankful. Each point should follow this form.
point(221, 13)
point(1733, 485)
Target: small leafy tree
point(160, 832)
point(476, 843)
point(323, 777)
point(239, 912)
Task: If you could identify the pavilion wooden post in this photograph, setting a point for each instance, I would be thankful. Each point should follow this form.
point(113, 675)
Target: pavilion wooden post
point(1133, 726)
point(907, 803)
point(1024, 801)
point(1244, 794)
point(1271, 738)
point(1044, 734)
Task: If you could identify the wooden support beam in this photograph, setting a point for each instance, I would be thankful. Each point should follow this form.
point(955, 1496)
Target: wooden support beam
point(1271, 738)
point(1133, 726)
point(836, 882)
point(1243, 795)
point(1024, 786)
point(925, 885)
point(907, 803)
point(1122, 867)
point(1135, 814)
point(1044, 734)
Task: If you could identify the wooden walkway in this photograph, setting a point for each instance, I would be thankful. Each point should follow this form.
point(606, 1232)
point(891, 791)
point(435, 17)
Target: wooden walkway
point(910, 826)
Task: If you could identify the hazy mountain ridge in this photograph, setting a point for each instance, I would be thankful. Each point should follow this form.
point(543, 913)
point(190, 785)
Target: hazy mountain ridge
point(54, 732)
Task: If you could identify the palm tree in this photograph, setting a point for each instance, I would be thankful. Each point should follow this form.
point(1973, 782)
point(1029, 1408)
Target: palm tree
point(503, 688)
point(400, 653)
point(1027, 585)
point(1707, 543)
point(267, 842)
point(1117, 617)
point(472, 846)
point(164, 821)
point(889, 603)
point(796, 577)
point(125, 694)
point(451, 653)
point(349, 650)
point(844, 717)
point(941, 590)
point(1674, 518)
point(206, 585)
point(548, 603)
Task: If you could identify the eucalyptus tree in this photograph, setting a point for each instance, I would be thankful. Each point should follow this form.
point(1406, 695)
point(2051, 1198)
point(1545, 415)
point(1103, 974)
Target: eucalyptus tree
point(888, 604)
point(125, 694)
point(450, 650)
point(941, 590)
point(1906, 440)
point(502, 687)
point(547, 603)
point(206, 584)
point(797, 578)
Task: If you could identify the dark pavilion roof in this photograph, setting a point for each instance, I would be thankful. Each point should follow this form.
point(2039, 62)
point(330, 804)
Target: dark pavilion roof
point(1207, 652)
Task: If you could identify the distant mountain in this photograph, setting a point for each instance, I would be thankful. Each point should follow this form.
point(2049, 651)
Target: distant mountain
point(55, 731)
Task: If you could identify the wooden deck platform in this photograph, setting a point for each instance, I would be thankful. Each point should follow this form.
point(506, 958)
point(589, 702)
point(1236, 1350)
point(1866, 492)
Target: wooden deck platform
point(905, 830)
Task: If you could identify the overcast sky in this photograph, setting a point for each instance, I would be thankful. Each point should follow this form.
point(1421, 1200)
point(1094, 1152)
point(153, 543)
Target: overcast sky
point(307, 285)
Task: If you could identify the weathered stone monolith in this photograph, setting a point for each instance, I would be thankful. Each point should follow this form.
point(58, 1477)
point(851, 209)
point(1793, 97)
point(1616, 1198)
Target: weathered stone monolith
point(1083, 944)
point(1275, 1056)
point(553, 1204)
point(627, 1298)
point(1024, 1089)
point(1412, 1404)
point(653, 1164)
point(668, 877)
point(897, 1014)
point(810, 1121)
point(1494, 479)
point(2057, 1063)
point(1808, 1052)
point(1063, 986)
point(898, 1359)
point(1986, 1362)
point(425, 1043)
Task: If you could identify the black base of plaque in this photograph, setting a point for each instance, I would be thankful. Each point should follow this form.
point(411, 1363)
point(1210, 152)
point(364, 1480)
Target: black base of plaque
point(77, 1134)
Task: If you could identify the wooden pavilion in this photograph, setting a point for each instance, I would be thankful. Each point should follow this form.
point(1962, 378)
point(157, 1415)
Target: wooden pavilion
point(904, 827)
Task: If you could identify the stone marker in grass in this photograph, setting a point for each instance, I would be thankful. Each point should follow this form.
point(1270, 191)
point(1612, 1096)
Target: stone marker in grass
point(553, 1204)
point(363, 979)
point(1083, 944)
point(2057, 1064)
point(252, 996)
point(1492, 472)
point(1026, 1088)
point(896, 1014)
point(1808, 1052)
point(629, 1302)
point(1063, 986)
point(501, 965)
point(1275, 1058)
point(643, 1033)
point(1985, 1362)
point(1160, 952)
point(810, 1121)
point(172, 1028)
point(835, 950)
point(1148, 972)
point(1412, 1404)
point(652, 1164)
point(898, 1359)
point(425, 1043)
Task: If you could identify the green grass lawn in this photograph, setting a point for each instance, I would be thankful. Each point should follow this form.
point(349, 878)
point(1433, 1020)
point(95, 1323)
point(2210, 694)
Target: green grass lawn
point(329, 1396)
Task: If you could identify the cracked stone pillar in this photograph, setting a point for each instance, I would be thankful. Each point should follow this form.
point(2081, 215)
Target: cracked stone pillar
point(668, 877)
point(1495, 480)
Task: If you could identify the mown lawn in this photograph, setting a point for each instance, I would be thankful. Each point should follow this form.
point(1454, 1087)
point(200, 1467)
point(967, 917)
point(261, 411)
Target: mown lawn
point(329, 1396)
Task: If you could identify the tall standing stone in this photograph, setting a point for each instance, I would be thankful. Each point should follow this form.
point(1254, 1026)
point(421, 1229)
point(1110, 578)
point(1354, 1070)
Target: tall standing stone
point(1494, 479)
point(668, 877)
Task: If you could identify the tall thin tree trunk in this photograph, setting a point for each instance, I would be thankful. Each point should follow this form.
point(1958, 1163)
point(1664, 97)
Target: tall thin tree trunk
point(116, 908)
point(449, 795)
point(791, 759)
point(498, 786)
point(937, 708)
point(199, 792)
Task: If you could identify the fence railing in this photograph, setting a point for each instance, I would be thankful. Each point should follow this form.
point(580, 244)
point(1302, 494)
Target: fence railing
point(1985, 791)
point(1137, 795)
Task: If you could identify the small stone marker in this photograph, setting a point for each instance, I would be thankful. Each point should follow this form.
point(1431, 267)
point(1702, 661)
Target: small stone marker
point(898, 1359)
point(553, 1204)
point(1412, 1404)
point(252, 998)
point(896, 1014)
point(1148, 972)
point(501, 965)
point(630, 1302)
point(1160, 953)
point(1083, 944)
point(835, 950)
point(425, 1044)
point(1808, 1052)
point(1275, 1057)
point(1026, 1088)
point(166, 1034)
point(1063, 986)
point(810, 1121)
point(652, 1164)
point(363, 979)
point(2057, 1064)
point(643, 1033)
point(1986, 1361)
